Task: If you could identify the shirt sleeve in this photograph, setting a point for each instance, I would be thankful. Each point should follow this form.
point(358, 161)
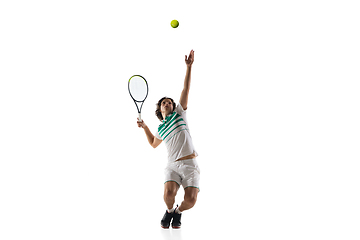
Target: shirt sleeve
point(157, 135)
point(179, 109)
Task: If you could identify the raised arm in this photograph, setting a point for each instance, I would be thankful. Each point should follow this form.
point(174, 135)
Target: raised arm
point(185, 92)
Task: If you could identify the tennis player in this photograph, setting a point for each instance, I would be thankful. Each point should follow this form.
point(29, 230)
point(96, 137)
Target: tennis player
point(182, 168)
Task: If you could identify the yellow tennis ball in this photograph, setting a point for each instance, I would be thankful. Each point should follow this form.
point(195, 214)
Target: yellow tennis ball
point(174, 23)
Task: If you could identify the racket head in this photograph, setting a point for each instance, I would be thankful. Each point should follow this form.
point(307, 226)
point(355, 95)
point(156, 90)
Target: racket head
point(138, 88)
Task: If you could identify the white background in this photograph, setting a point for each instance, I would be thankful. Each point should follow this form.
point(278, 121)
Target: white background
point(273, 112)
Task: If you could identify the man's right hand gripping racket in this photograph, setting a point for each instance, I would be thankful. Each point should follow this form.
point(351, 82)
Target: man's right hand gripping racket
point(138, 89)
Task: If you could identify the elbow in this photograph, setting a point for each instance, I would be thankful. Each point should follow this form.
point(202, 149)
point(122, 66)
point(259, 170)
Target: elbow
point(153, 143)
point(186, 89)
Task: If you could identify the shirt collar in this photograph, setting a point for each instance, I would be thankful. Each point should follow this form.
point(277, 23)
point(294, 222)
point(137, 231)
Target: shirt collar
point(168, 117)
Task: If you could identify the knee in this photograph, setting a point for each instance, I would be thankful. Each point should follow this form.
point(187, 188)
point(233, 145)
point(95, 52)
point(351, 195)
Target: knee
point(190, 199)
point(170, 193)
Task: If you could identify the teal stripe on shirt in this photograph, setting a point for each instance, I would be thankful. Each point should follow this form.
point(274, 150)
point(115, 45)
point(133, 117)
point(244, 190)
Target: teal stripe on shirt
point(185, 129)
point(172, 118)
point(164, 131)
point(173, 130)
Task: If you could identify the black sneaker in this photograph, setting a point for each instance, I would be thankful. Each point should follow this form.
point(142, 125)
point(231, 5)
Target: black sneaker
point(165, 221)
point(176, 223)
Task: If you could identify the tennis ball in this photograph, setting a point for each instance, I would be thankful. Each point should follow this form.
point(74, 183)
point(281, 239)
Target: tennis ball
point(174, 23)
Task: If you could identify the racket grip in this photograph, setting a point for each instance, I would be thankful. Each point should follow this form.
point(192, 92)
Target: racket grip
point(140, 117)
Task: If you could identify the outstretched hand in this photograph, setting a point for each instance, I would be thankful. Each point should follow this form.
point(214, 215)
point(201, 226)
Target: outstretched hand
point(189, 60)
point(141, 124)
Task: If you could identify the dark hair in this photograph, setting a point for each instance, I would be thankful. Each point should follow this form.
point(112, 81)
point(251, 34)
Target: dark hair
point(158, 107)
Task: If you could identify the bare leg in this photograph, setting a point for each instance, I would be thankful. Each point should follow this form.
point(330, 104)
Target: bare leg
point(189, 198)
point(170, 190)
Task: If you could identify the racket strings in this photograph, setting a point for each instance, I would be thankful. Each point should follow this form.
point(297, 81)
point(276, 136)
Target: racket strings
point(138, 88)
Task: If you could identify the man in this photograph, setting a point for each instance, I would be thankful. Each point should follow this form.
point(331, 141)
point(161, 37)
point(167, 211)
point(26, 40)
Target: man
point(182, 168)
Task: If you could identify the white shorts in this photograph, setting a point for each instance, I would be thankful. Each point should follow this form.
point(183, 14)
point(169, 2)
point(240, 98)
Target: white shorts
point(183, 172)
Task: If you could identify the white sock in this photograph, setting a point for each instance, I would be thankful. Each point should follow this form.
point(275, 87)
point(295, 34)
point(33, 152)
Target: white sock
point(178, 211)
point(171, 210)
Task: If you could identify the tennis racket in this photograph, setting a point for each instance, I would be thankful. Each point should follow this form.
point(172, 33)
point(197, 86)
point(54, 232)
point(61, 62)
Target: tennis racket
point(138, 89)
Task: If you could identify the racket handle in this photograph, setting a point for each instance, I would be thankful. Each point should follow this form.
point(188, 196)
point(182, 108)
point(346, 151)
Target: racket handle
point(140, 117)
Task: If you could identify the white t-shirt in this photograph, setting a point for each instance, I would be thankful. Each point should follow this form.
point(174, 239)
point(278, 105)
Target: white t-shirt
point(174, 131)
